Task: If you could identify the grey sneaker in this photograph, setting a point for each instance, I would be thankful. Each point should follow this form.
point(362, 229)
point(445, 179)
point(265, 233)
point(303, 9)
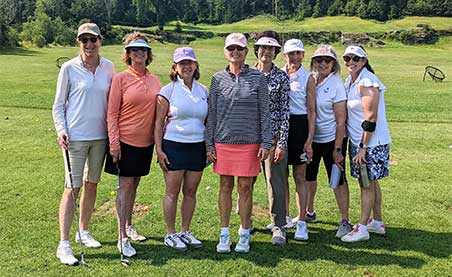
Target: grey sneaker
point(279, 236)
point(344, 228)
point(133, 234)
point(175, 242)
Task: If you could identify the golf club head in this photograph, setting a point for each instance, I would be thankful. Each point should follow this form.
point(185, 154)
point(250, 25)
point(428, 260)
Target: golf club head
point(83, 263)
point(125, 262)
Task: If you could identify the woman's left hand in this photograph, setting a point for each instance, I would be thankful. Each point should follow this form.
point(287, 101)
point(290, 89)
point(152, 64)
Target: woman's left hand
point(262, 154)
point(279, 155)
point(360, 157)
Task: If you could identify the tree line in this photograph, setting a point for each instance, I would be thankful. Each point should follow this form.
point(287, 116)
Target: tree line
point(54, 21)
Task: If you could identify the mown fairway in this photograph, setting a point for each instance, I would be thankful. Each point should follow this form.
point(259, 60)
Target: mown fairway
point(417, 198)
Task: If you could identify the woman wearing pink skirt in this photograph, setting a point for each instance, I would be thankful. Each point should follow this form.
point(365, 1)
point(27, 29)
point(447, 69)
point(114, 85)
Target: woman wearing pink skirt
point(238, 135)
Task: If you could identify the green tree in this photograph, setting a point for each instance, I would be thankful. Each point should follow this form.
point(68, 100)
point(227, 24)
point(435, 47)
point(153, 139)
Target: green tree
point(8, 11)
point(336, 8)
point(351, 8)
point(362, 9)
point(317, 10)
point(376, 10)
point(38, 30)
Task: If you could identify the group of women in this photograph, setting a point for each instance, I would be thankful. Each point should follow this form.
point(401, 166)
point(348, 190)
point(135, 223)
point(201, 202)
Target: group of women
point(250, 116)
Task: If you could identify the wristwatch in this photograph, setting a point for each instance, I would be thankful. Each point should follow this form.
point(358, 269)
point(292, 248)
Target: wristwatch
point(362, 145)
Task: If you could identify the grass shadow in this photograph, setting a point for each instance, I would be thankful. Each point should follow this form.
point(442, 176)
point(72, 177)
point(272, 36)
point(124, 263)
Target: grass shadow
point(18, 51)
point(322, 245)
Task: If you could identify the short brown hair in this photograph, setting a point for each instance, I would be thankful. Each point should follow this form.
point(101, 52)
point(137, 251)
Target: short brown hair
point(271, 34)
point(131, 37)
point(173, 74)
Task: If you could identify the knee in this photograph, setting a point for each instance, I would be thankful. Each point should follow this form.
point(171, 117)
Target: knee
point(189, 192)
point(89, 187)
point(245, 190)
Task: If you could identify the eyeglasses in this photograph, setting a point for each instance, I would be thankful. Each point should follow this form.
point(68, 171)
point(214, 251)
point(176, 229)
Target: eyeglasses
point(136, 49)
point(85, 39)
point(353, 58)
point(323, 59)
point(235, 47)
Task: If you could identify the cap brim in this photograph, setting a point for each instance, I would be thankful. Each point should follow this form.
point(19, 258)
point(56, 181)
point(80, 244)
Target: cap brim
point(293, 50)
point(138, 44)
point(239, 44)
point(185, 58)
point(88, 32)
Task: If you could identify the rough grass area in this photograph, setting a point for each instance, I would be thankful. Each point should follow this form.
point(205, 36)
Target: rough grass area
point(417, 197)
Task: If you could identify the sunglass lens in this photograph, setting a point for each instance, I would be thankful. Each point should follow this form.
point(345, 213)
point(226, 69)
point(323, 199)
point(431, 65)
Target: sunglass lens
point(86, 39)
point(356, 59)
point(232, 48)
point(136, 49)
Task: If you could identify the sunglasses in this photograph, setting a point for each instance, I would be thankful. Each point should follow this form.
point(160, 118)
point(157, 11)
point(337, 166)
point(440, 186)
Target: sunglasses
point(323, 59)
point(235, 47)
point(85, 39)
point(353, 58)
point(136, 49)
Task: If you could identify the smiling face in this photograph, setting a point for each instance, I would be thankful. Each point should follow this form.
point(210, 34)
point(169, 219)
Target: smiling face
point(89, 45)
point(236, 54)
point(265, 54)
point(138, 55)
point(323, 65)
point(354, 64)
point(294, 58)
point(186, 69)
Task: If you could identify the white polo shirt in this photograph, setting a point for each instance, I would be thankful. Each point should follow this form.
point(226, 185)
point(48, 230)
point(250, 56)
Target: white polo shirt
point(297, 95)
point(80, 106)
point(187, 111)
point(328, 92)
point(355, 111)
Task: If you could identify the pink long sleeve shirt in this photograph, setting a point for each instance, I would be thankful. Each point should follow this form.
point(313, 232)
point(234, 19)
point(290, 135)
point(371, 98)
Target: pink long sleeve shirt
point(131, 108)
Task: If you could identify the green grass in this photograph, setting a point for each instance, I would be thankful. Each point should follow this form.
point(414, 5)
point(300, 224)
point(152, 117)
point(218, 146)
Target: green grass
point(328, 23)
point(417, 197)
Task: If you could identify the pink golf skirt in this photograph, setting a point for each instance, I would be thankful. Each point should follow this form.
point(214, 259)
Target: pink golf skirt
point(237, 159)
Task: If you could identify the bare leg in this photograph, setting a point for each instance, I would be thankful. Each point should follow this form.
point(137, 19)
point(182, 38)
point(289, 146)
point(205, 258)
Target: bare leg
point(87, 202)
point(66, 212)
point(301, 189)
point(189, 189)
point(367, 201)
point(377, 205)
point(342, 200)
point(127, 186)
point(173, 180)
point(225, 199)
point(133, 196)
point(245, 189)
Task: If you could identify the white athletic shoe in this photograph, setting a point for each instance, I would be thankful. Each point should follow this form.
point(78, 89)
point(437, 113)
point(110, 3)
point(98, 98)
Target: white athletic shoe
point(127, 248)
point(87, 239)
point(302, 231)
point(133, 234)
point(189, 239)
point(224, 244)
point(289, 223)
point(175, 242)
point(374, 227)
point(66, 256)
point(243, 245)
point(357, 234)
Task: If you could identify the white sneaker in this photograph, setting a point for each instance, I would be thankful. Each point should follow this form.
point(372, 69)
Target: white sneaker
point(302, 231)
point(357, 234)
point(133, 234)
point(224, 244)
point(374, 227)
point(87, 239)
point(189, 239)
point(127, 248)
point(175, 242)
point(289, 223)
point(270, 226)
point(66, 256)
point(243, 245)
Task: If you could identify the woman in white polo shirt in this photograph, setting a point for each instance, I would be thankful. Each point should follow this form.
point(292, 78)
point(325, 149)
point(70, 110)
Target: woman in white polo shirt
point(329, 142)
point(369, 139)
point(179, 140)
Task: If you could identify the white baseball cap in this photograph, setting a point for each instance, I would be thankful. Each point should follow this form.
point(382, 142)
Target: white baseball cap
point(293, 45)
point(355, 50)
point(235, 39)
point(268, 41)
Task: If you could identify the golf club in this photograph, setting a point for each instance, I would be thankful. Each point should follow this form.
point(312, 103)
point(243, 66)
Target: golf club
point(59, 62)
point(82, 256)
point(124, 262)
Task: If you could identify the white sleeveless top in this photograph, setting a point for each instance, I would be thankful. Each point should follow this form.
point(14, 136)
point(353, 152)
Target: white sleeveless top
point(297, 95)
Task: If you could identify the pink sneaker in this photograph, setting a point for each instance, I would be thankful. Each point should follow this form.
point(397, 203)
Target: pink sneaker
point(374, 227)
point(357, 234)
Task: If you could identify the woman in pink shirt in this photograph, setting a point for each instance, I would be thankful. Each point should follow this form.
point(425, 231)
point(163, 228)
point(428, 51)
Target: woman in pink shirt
point(130, 119)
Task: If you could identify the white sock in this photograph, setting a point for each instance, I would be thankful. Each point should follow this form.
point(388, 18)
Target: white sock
point(244, 231)
point(225, 231)
point(64, 243)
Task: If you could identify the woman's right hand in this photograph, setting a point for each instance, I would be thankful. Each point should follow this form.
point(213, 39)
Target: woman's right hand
point(116, 155)
point(212, 156)
point(162, 160)
point(63, 140)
